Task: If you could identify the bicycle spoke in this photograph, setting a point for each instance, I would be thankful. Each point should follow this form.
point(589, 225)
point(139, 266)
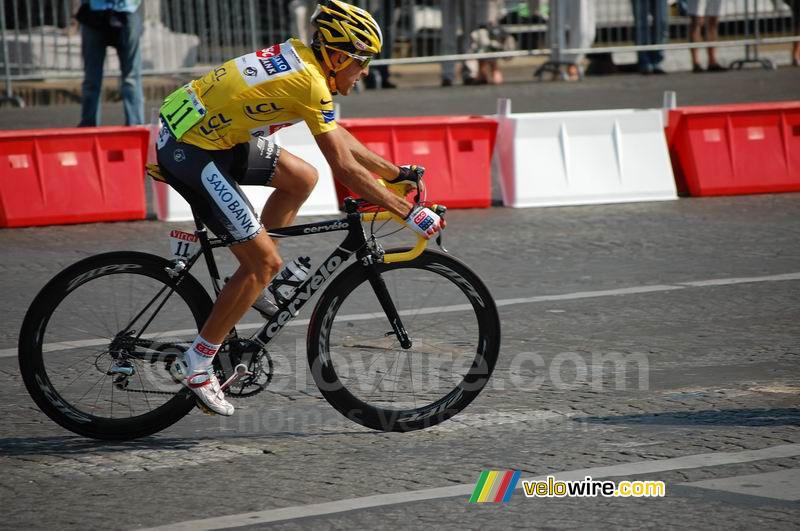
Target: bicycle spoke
point(90, 367)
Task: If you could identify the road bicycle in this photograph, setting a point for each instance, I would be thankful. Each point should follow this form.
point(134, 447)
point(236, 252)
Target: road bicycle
point(400, 339)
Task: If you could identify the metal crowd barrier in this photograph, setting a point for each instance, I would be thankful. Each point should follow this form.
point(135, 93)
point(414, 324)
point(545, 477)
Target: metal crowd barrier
point(40, 39)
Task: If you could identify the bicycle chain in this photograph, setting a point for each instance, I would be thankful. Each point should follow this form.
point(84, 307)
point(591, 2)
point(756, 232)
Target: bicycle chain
point(149, 392)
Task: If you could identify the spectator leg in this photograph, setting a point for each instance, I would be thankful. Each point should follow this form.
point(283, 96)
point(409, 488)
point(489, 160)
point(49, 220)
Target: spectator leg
point(581, 22)
point(796, 46)
point(93, 50)
point(448, 38)
point(712, 23)
point(660, 30)
point(642, 32)
point(695, 35)
point(130, 64)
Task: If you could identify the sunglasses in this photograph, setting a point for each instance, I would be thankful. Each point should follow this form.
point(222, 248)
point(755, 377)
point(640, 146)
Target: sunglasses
point(362, 60)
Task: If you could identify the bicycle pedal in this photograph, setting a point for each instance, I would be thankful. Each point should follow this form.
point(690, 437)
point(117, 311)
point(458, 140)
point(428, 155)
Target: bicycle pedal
point(239, 372)
point(204, 408)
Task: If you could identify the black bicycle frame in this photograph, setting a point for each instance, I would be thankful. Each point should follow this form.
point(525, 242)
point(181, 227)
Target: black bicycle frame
point(354, 243)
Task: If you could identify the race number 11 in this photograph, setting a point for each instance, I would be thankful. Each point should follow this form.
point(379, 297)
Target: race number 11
point(183, 244)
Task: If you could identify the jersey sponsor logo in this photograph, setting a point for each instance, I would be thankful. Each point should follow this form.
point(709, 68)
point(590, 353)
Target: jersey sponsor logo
point(272, 51)
point(274, 128)
point(232, 205)
point(251, 70)
point(215, 124)
point(323, 102)
point(163, 136)
point(215, 75)
point(328, 116)
point(266, 148)
point(261, 66)
point(262, 112)
point(275, 65)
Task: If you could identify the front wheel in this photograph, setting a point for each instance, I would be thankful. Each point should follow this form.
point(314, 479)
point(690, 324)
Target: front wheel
point(362, 370)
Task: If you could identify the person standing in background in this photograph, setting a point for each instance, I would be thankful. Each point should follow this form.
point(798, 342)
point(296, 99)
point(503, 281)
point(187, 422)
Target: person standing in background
point(384, 11)
point(115, 23)
point(300, 12)
point(472, 14)
point(651, 27)
point(704, 13)
point(796, 22)
point(582, 28)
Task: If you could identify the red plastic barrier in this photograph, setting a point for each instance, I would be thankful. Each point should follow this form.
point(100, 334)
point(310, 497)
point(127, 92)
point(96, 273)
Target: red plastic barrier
point(57, 176)
point(456, 152)
point(736, 149)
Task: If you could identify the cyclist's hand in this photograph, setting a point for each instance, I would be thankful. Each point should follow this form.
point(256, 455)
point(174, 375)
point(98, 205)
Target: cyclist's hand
point(424, 221)
point(409, 175)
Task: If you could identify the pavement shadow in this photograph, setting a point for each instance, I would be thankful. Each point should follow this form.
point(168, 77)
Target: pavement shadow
point(722, 417)
point(73, 445)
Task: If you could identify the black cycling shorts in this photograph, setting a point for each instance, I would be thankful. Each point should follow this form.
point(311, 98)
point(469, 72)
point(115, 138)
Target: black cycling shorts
point(209, 181)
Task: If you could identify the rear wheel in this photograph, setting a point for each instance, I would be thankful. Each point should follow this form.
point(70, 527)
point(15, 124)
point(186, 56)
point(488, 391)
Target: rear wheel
point(362, 370)
point(97, 341)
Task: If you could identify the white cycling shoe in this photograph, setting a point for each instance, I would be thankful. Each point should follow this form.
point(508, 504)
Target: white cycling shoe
point(203, 384)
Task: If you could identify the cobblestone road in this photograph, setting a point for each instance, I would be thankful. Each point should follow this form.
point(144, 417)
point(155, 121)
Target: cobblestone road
point(712, 368)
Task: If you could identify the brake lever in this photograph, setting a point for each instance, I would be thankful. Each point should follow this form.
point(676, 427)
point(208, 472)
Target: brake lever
point(440, 211)
point(439, 241)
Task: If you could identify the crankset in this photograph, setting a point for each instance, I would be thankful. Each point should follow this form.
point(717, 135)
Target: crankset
point(237, 353)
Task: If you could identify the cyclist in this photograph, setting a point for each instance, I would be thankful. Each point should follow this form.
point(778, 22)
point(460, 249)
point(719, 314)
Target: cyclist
point(214, 137)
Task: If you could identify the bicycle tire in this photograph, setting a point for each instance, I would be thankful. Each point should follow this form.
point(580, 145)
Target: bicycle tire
point(401, 417)
point(49, 308)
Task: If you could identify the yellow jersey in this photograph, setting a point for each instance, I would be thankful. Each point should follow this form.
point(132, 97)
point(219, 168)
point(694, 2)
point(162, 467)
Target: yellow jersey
point(256, 94)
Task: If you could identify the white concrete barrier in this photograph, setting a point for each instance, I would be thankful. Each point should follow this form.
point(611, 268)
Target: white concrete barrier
point(297, 139)
point(587, 157)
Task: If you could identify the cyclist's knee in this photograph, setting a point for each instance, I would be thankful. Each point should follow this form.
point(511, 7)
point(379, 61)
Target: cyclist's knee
point(309, 179)
point(258, 259)
point(260, 272)
point(305, 179)
point(266, 267)
point(295, 176)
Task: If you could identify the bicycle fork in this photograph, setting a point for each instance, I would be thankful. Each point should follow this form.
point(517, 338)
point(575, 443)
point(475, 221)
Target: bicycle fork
point(379, 286)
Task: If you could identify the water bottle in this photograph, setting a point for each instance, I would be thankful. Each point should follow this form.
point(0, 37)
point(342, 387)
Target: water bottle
point(289, 279)
point(263, 302)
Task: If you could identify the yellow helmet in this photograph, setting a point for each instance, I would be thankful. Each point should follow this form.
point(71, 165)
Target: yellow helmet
point(347, 29)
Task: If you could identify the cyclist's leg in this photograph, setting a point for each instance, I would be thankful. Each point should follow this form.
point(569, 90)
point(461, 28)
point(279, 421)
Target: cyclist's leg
point(294, 181)
point(259, 261)
point(206, 180)
point(292, 177)
point(209, 181)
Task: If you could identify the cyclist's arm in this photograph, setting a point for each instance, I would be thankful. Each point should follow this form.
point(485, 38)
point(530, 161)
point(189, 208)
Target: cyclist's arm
point(368, 158)
point(350, 172)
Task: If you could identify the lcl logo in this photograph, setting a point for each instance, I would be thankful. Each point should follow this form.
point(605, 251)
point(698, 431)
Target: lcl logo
point(215, 123)
point(262, 112)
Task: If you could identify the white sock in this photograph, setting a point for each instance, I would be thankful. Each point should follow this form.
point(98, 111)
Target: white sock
point(200, 355)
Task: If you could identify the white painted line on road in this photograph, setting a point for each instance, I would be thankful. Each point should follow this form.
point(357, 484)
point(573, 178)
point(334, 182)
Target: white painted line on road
point(589, 294)
point(779, 485)
point(383, 500)
point(744, 280)
point(655, 288)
